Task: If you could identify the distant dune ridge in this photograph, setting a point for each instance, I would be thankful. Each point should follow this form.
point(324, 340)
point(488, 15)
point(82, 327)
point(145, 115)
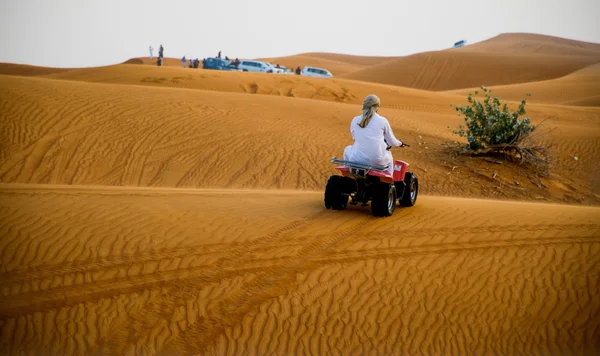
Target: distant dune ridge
point(505, 59)
point(580, 88)
point(148, 210)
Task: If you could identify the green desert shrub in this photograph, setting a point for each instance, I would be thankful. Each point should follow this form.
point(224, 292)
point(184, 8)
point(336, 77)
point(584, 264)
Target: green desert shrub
point(489, 123)
point(491, 128)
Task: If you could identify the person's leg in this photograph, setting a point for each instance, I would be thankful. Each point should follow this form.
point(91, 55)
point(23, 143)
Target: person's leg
point(348, 153)
point(390, 162)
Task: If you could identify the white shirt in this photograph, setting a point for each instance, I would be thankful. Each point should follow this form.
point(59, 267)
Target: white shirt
point(369, 145)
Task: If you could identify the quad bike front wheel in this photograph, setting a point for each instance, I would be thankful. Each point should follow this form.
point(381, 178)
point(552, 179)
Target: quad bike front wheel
point(409, 198)
point(334, 193)
point(384, 199)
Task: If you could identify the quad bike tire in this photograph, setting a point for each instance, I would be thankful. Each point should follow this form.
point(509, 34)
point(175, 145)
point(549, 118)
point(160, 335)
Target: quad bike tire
point(334, 193)
point(411, 192)
point(384, 198)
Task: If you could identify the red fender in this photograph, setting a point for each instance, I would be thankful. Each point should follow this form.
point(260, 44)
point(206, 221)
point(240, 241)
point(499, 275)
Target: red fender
point(400, 168)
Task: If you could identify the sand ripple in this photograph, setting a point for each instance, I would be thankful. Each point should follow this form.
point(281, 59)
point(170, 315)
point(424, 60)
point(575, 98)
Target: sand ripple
point(159, 271)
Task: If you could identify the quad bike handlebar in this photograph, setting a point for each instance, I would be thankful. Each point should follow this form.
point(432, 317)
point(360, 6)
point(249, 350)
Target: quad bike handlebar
point(403, 145)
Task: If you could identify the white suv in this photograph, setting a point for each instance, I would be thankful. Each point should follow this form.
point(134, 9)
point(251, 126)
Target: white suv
point(285, 70)
point(253, 66)
point(316, 72)
point(274, 69)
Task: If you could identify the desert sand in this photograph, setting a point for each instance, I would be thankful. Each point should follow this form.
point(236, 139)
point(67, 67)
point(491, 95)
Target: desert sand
point(159, 210)
point(506, 59)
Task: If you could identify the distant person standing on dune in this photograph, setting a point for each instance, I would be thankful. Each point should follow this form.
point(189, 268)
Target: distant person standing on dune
point(151, 50)
point(298, 71)
point(160, 56)
point(183, 62)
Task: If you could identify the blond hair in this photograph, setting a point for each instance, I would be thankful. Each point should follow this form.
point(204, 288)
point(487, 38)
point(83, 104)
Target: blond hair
point(370, 106)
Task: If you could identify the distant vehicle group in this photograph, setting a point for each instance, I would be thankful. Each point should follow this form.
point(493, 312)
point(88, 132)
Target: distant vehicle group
point(247, 65)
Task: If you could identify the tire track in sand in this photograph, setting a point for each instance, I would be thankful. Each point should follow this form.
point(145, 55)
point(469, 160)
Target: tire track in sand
point(24, 303)
point(137, 265)
point(100, 263)
point(270, 285)
point(181, 290)
point(18, 304)
point(263, 271)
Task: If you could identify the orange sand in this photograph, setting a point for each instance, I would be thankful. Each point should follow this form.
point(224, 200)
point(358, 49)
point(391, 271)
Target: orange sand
point(578, 88)
point(506, 59)
point(149, 210)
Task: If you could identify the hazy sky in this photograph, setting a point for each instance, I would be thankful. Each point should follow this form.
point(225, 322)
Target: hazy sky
point(80, 33)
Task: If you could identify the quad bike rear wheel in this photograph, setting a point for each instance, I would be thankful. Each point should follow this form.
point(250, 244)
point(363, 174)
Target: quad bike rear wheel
point(409, 198)
point(384, 199)
point(334, 193)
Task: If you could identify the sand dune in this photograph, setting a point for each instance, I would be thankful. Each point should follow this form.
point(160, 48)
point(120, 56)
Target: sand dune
point(27, 70)
point(68, 132)
point(353, 59)
point(593, 100)
point(578, 88)
point(159, 210)
point(505, 59)
point(513, 53)
point(178, 137)
point(167, 61)
point(154, 271)
point(446, 70)
point(338, 90)
point(534, 44)
point(337, 64)
point(337, 68)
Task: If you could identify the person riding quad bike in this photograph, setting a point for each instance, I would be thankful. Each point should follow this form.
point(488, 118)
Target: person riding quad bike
point(369, 172)
point(372, 135)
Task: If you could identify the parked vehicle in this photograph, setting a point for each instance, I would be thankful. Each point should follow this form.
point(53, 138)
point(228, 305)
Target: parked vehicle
point(279, 70)
point(316, 72)
point(459, 44)
point(274, 69)
point(218, 64)
point(254, 66)
point(286, 70)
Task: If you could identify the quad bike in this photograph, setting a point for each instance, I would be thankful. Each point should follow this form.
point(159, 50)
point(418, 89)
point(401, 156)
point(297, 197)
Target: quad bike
point(366, 182)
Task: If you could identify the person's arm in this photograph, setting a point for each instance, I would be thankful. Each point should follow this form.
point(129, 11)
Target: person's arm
point(389, 135)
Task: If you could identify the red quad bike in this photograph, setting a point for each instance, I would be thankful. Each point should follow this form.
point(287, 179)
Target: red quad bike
point(365, 182)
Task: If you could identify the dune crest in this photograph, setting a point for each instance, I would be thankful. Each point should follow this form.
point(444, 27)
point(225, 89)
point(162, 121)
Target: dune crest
point(446, 70)
point(531, 43)
point(580, 88)
point(28, 71)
